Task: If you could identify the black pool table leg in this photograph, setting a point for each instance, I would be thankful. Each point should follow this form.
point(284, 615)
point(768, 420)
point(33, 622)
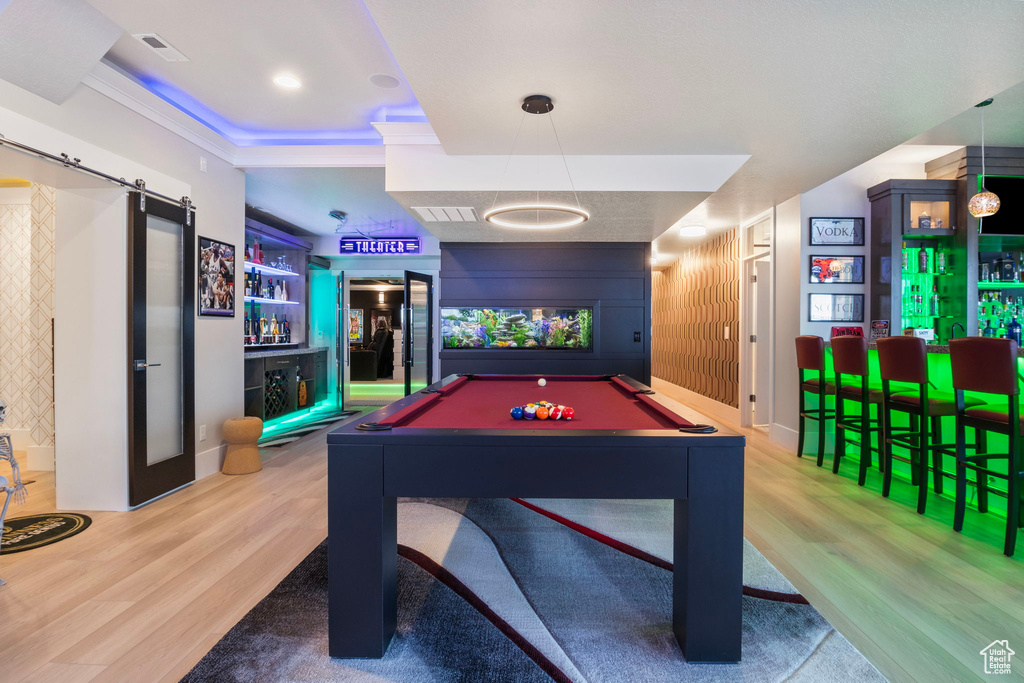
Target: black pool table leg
point(707, 591)
point(362, 553)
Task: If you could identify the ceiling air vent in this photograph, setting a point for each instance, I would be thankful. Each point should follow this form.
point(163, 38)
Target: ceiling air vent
point(446, 214)
point(160, 46)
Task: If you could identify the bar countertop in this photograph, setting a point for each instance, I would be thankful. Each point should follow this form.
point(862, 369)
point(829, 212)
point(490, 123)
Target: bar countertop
point(929, 348)
point(270, 353)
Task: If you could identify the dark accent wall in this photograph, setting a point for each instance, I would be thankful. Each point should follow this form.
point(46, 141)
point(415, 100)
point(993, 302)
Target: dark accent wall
point(613, 278)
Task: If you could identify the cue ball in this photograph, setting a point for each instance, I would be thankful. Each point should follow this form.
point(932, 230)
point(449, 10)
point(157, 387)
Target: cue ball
point(542, 382)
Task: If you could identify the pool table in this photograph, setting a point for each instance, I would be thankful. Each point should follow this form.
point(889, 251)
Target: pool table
point(456, 438)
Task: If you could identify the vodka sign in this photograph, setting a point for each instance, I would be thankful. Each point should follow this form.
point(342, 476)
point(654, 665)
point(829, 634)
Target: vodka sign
point(837, 231)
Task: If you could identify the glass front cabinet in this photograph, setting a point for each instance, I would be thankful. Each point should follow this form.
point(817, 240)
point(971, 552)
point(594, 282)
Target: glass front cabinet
point(919, 271)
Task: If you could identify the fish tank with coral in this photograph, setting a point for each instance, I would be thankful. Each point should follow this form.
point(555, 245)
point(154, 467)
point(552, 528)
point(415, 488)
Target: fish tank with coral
point(517, 328)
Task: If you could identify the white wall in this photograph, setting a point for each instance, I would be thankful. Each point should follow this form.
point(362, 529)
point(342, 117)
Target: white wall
point(90, 350)
point(845, 195)
point(787, 261)
point(111, 138)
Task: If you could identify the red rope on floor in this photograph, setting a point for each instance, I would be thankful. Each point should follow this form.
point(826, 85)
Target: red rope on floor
point(632, 551)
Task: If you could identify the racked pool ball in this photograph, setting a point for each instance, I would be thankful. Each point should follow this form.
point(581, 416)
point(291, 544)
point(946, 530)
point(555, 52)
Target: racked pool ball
point(516, 412)
point(542, 382)
point(568, 413)
point(530, 411)
point(556, 413)
point(542, 413)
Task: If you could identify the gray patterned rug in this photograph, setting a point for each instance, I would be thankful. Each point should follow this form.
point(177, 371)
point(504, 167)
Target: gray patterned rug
point(503, 590)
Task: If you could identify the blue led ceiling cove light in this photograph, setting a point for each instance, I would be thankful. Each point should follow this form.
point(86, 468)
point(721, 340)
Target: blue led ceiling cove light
point(250, 137)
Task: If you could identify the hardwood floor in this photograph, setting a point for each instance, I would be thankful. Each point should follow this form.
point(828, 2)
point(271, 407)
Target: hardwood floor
point(142, 596)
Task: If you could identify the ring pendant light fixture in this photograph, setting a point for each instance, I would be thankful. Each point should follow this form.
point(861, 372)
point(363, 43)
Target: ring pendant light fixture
point(984, 203)
point(556, 215)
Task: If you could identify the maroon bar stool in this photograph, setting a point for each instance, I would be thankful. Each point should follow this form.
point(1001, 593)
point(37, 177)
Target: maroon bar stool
point(905, 360)
point(988, 365)
point(810, 358)
point(850, 357)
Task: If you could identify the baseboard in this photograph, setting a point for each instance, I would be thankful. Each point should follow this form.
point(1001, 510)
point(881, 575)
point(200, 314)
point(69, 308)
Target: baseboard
point(784, 436)
point(709, 406)
point(209, 461)
point(39, 458)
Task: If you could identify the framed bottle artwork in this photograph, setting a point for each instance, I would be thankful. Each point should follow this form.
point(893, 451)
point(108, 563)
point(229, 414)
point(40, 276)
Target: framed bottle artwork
point(837, 231)
point(834, 269)
point(216, 278)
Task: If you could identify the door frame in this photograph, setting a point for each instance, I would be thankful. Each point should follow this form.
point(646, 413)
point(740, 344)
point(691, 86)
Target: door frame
point(748, 255)
point(407, 330)
point(147, 482)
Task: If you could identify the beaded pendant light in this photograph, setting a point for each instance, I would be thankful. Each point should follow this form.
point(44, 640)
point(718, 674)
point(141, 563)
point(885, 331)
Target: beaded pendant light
point(984, 203)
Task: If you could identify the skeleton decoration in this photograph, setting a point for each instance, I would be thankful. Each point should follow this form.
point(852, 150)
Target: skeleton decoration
point(16, 489)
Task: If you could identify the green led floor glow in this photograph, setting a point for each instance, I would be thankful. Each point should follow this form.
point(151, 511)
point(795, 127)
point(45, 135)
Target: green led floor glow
point(293, 420)
point(940, 379)
point(394, 391)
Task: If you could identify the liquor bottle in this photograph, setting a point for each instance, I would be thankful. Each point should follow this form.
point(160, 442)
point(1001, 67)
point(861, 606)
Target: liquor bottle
point(940, 261)
point(258, 284)
point(274, 331)
point(933, 303)
point(287, 331)
point(983, 272)
point(1013, 331)
point(284, 290)
point(1001, 330)
point(277, 291)
point(256, 251)
point(269, 293)
point(988, 331)
point(906, 258)
point(245, 328)
point(1007, 269)
point(922, 260)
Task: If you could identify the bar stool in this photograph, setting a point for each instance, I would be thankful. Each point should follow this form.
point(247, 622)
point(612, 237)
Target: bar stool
point(850, 357)
point(905, 359)
point(810, 357)
point(989, 366)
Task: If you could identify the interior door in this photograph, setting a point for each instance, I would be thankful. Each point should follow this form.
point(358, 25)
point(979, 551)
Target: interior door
point(418, 331)
point(161, 327)
point(344, 350)
point(762, 333)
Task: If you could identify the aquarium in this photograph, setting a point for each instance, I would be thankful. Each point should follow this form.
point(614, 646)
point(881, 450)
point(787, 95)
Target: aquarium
point(517, 328)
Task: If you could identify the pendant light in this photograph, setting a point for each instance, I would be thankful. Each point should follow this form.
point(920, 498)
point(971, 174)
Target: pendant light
point(984, 203)
point(556, 215)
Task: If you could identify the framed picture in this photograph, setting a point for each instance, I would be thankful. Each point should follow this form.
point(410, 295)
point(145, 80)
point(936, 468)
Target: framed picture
point(216, 278)
point(836, 308)
point(837, 270)
point(355, 325)
point(837, 231)
point(379, 314)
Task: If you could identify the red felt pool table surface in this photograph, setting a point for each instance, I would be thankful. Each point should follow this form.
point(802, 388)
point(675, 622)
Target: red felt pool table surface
point(484, 402)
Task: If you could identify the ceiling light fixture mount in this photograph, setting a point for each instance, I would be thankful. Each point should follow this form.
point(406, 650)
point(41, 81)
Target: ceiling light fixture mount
point(556, 215)
point(287, 81)
point(693, 231)
point(984, 203)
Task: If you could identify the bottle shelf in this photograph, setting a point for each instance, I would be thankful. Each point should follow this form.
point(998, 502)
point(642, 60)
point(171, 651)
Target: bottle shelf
point(263, 346)
point(268, 270)
point(261, 300)
point(1001, 285)
point(915, 234)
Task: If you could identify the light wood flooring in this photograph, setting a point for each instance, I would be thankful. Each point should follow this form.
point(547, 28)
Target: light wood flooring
point(142, 596)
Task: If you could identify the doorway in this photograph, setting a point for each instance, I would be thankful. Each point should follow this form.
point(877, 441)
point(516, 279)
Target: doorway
point(385, 337)
point(756, 342)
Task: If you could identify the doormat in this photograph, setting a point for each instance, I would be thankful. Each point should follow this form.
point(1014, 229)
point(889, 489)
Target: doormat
point(35, 531)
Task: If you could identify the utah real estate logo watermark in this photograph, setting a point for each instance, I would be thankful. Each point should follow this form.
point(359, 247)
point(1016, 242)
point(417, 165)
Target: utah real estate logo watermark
point(997, 657)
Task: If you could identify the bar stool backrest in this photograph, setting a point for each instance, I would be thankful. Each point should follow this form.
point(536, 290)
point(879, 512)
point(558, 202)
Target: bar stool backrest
point(850, 355)
point(810, 352)
point(903, 359)
point(984, 364)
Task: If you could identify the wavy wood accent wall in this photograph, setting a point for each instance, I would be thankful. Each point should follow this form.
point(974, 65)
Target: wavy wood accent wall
point(693, 300)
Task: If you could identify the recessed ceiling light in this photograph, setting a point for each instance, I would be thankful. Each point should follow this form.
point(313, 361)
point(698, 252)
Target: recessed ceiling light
point(286, 81)
point(693, 231)
point(385, 81)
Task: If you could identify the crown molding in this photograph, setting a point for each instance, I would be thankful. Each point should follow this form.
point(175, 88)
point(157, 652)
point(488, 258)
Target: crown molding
point(115, 84)
point(310, 156)
point(406, 133)
point(126, 91)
